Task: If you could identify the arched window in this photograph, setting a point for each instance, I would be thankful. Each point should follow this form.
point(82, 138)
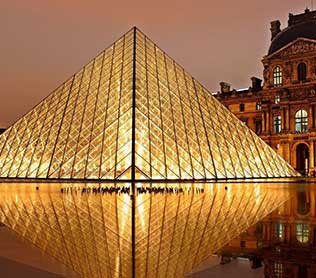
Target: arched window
point(301, 121)
point(302, 233)
point(277, 76)
point(301, 72)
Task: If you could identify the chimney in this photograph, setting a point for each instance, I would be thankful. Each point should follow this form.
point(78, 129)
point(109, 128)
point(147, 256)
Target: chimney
point(275, 28)
point(256, 84)
point(225, 87)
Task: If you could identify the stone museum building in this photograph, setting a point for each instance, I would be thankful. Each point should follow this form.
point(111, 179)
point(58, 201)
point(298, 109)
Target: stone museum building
point(282, 109)
point(282, 112)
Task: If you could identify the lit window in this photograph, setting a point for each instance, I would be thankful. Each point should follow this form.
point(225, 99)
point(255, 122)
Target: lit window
point(301, 121)
point(279, 231)
point(277, 250)
point(242, 107)
point(302, 233)
point(277, 76)
point(301, 72)
point(278, 270)
point(258, 106)
point(277, 124)
point(277, 99)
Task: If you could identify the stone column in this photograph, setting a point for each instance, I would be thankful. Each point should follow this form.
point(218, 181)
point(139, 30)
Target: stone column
point(268, 121)
point(313, 116)
point(311, 122)
point(263, 116)
point(284, 119)
point(287, 115)
point(312, 155)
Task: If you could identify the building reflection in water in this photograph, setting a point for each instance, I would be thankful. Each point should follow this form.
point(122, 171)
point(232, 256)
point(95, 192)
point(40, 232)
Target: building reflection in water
point(284, 242)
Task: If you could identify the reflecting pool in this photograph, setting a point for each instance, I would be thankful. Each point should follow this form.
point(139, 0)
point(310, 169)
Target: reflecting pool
point(283, 242)
point(164, 230)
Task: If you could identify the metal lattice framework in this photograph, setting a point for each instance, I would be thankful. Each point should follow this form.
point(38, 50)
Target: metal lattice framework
point(133, 113)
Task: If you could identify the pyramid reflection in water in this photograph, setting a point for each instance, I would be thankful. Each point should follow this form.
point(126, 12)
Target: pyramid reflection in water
point(133, 115)
point(174, 232)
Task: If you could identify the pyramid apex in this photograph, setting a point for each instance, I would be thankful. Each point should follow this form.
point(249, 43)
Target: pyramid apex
point(136, 29)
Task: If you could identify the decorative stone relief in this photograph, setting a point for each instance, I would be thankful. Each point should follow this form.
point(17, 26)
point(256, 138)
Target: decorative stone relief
point(313, 69)
point(288, 70)
point(266, 75)
point(299, 94)
point(312, 92)
point(299, 47)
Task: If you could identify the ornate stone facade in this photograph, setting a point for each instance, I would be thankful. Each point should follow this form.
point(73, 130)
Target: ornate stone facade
point(283, 110)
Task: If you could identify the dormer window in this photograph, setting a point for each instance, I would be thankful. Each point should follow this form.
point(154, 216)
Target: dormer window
point(301, 72)
point(277, 76)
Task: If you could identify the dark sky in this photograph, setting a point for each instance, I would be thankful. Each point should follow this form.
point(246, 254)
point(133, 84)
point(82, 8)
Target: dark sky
point(43, 42)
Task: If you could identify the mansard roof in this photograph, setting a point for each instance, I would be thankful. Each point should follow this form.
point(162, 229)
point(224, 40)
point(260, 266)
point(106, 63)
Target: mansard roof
point(306, 29)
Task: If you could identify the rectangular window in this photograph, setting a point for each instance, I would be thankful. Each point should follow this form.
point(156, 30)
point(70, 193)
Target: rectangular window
point(258, 106)
point(242, 107)
point(279, 231)
point(277, 76)
point(258, 127)
point(242, 244)
point(278, 270)
point(302, 233)
point(277, 99)
point(277, 124)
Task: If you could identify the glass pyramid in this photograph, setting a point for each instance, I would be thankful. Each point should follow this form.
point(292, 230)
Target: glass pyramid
point(133, 113)
point(115, 155)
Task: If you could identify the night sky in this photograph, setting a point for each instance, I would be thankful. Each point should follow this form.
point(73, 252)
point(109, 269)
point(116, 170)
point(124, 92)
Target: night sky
point(44, 42)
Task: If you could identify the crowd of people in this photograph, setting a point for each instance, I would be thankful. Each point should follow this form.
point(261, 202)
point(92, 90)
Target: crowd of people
point(127, 190)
